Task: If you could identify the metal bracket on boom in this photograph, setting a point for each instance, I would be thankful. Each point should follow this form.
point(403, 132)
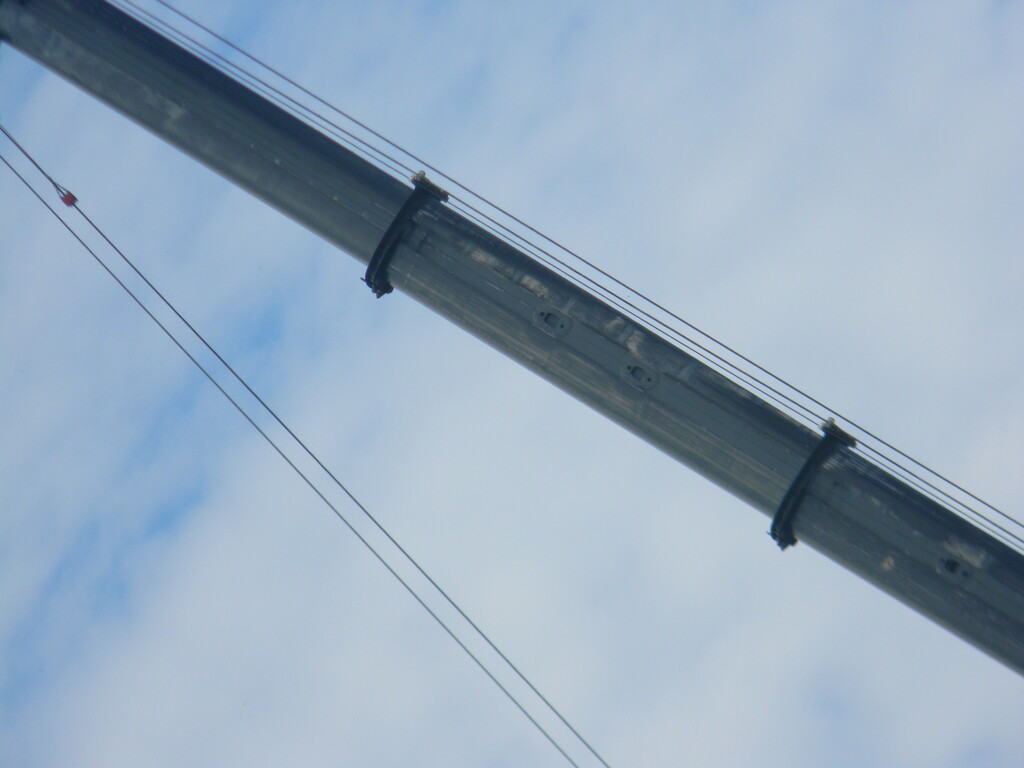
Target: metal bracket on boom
point(377, 270)
point(831, 441)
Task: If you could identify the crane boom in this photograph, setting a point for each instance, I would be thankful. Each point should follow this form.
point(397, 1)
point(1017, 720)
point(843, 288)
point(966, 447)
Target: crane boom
point(817, 487)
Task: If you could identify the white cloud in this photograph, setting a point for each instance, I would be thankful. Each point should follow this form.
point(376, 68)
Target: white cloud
point(834, 192)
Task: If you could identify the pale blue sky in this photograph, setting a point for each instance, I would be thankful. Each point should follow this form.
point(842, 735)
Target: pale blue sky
point(832, 188)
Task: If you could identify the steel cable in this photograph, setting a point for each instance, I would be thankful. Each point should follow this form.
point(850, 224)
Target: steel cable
point(309, 482)
point(938, 494)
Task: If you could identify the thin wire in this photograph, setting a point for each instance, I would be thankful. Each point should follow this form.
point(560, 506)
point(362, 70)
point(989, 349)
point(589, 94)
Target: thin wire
point(648, 320)
point(965, 512)
point(297, 108)
point(194, 45)
point(693, 347)
point(60, 190)
point(460, 185)
point(380, 558)
point(909, 473)
point(483, 635)
point(348, 138)
point(253, 81)
point(486, 221)
point(747, 360)
point(674, 331)
point(305, 114)
point(593, 266)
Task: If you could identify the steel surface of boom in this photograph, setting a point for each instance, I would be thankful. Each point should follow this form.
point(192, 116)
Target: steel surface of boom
point(834, 500)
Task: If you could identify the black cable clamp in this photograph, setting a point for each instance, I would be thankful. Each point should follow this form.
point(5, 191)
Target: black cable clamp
point(831, 441)
point(377, 270)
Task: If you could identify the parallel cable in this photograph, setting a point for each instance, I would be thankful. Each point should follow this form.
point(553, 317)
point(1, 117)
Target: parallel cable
point(486, 221)
point(780, 398)
point(914, 479)
point(631, 310)
point(649, 321)
point(483, 219)
point(275, 94)
point(863, 430)
point(261, 86)
point(962, 510)
point(495, 223)
point(301, 474)
point(62, 191)
point(351, 139)
point(259, 62)
point(409, 558)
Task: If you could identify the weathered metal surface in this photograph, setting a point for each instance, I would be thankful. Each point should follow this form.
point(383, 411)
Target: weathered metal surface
point(862, 517)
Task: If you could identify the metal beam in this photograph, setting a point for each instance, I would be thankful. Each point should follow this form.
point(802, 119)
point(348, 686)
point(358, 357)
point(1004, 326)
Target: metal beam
point(847, 508)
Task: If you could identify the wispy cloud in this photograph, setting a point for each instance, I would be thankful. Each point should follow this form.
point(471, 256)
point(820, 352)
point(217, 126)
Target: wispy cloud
point(835, 191)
